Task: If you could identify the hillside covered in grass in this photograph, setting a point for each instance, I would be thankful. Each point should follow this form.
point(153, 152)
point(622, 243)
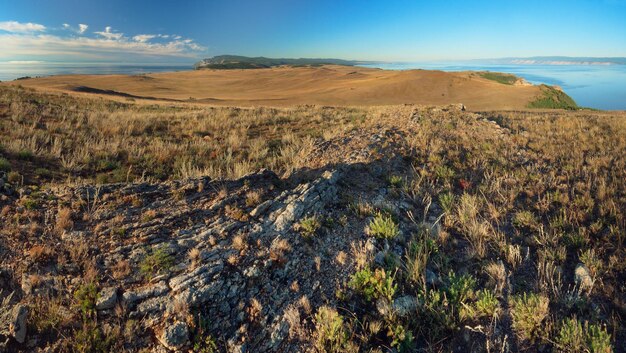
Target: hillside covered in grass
point(224, 62)
point(175, 227)
point(283, 86)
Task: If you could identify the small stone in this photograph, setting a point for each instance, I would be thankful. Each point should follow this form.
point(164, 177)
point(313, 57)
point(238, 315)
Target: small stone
point(107, 298)
point(379, 258)
point(175, 336)
point(262, 208)
point(384, 308)
point(405, 306)
point(583, 277)
point(18, 323)
point(252, 272)
point(431, 277)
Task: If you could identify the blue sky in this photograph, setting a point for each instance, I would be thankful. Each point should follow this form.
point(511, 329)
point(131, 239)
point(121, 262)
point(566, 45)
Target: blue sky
point(163, 31)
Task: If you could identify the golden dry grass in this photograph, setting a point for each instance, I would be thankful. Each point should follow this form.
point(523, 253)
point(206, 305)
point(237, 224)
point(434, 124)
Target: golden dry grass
point(288, 86)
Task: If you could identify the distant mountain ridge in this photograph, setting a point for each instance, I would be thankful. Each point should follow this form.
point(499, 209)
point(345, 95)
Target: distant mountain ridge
point(225, 62)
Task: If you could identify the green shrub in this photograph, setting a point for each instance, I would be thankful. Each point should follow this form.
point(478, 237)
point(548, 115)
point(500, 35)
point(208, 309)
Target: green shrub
point(86, 296)
point(576, 240)
point(528, 312)
point(25, 155)
point(330, 331)
point(90, 339)
point(395, 181)
point(436, 314)
point(201, 339)
point(5, 165)
point(486, 305)
point(525, 219)
point(598, 340)
point(373, 285)
point(309, 226)
point(416, 259)
point(30, 204)
point(383, 226)
point(444, 173)
point(43, 172)
point(14, 177)
point(576, 337)
point(460, 288)
point(401, 338)
point(446, 201)
point(157, 262)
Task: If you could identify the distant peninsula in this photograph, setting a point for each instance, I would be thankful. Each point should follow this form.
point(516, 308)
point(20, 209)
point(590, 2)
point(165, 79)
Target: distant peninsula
point(225, 62)
point(560, 60)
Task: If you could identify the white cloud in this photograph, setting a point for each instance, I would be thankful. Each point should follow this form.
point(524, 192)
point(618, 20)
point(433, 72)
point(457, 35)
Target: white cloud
point(110, 35)
point(43, 46)
point(17, 27)
point(144, 37)
point(80, 30)
point(107, 45)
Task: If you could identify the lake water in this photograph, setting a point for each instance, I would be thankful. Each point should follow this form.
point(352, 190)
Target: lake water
point(593, 86)
point(11, 71)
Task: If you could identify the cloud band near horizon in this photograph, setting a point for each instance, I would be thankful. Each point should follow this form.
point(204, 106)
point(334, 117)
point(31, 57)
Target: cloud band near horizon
point(32, 42)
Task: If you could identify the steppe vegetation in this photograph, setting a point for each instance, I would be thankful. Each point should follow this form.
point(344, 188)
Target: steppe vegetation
point(61, 138)
point(506, 79)
point(450, 231)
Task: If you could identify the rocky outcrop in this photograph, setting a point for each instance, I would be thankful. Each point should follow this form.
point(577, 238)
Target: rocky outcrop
point(172, 263)
point(12, 322)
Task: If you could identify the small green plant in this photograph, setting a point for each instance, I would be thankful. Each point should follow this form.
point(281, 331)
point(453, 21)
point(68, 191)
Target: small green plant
point(361, 208)
point(90, 339)
point(86, 297)
point(309, 226)
point(373, 285)
point(157, 262)
point(592, 261)
point(401, 338)
point(5, 165)
point(331, 333)
point(436, 313)
point(446, 201)
point(416, 259)
point(43, 172)
point(383, 226)
point(25, 155)
point(46, 314)
point(30, 204)
point(486, 305)
point(576, 337)
point(528, 312)
point(444, 173)
point(576, 240)
point(395, 181)
point(14, 177)
point(525, 219)
point(118, 231)
point(460, 288)
point(202, 340)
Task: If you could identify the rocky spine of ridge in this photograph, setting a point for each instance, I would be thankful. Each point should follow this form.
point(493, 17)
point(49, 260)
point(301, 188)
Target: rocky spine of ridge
point(234, 250)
